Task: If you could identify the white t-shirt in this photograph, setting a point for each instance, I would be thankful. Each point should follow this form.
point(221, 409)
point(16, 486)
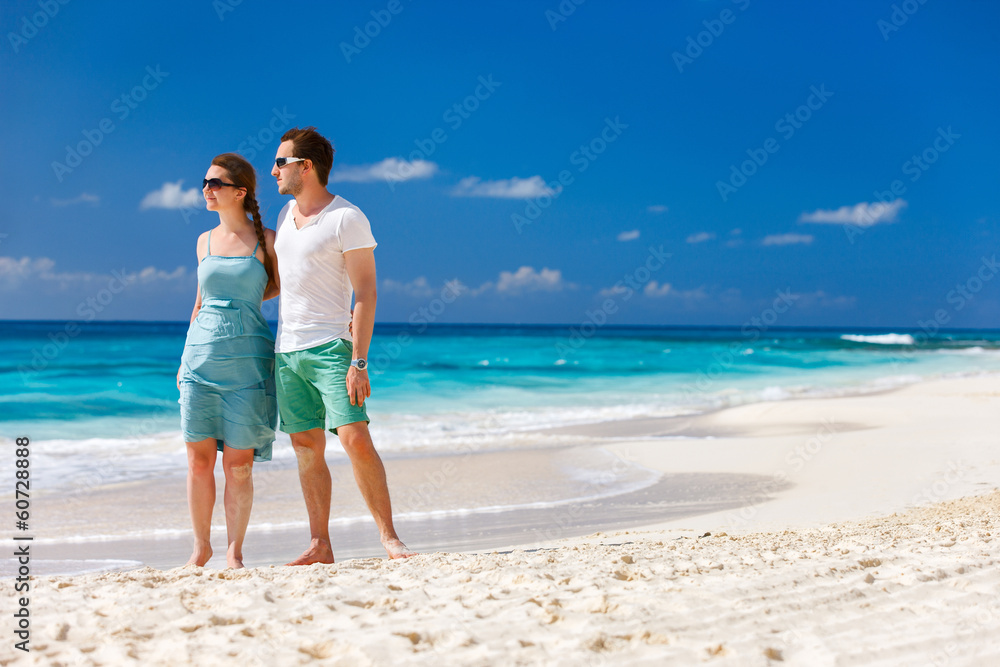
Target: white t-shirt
point(316, 291)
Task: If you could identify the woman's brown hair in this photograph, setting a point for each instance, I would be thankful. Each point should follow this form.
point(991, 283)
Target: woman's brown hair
point(242, 173)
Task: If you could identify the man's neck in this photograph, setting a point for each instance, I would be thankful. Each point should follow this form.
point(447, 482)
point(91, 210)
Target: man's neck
point(313, 201)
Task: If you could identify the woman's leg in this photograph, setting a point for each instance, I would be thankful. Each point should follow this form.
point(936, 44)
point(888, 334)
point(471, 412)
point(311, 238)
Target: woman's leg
point(238, 466)
point(201, 496)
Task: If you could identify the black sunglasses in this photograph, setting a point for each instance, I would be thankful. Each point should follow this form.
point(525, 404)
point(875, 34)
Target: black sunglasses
point(282, 161)
point(216, 184)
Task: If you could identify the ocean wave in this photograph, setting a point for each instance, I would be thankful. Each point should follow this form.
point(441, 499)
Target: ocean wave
point(881, 339)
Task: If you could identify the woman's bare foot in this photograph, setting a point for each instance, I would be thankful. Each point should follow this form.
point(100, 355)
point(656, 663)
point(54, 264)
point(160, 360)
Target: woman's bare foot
point(319, 551)
point(396, 549)
point(235, 563)
point(201, 555)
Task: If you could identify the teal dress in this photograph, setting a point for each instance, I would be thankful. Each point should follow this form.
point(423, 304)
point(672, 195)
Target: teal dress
point(227, 376)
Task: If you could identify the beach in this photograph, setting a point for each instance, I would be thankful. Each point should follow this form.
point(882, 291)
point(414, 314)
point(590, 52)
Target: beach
point(844, 530)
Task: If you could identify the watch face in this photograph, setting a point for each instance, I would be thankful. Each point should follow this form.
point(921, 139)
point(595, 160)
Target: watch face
point(362, 364)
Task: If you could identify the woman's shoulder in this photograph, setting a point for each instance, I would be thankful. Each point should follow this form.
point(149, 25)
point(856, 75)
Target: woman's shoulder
point(202, 245)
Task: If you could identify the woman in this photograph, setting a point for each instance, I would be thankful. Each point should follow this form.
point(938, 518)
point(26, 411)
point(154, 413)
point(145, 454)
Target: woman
point(226, 378)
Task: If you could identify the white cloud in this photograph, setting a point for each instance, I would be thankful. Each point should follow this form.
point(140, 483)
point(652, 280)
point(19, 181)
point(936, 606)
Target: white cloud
point(612, 291)
point(84, 198)
point(700, 237)
point(41, 271)
point(527, 279)
point(654, 289)
point(787, 239)
point(629, 236)
point(512, 188)
point(171, 195)
point(389, 169)
point(862, 215)
point(736, 232)
point(151, 274)
point(418, 287)
point(657, 208)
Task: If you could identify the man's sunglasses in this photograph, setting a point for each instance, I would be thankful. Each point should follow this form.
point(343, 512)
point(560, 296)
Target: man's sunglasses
point(282, 161)
point(216, 184)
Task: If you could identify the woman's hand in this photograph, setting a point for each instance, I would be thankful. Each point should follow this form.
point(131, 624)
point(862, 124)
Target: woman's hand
point(179, 370)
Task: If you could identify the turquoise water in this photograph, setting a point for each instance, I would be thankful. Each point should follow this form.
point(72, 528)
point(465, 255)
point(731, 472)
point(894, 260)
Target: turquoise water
point(107, 390)
point(70, 381)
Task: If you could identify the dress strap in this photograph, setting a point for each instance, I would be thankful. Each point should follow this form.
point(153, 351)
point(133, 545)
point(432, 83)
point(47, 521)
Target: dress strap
point(254, 253)
point(210, 242)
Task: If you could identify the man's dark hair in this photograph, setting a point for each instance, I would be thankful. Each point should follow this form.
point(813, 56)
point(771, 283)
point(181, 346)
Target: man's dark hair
point(311, 145)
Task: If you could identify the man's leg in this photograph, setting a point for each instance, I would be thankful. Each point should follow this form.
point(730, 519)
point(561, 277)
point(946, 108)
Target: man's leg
point(237, 499)
point(370, 476)
point(314, 475)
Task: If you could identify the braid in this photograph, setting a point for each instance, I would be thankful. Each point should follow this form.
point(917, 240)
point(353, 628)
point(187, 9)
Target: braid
point(250, 203)
point(243, 175)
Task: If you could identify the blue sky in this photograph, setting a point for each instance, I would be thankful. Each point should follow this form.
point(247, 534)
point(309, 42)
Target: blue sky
point(756, 143)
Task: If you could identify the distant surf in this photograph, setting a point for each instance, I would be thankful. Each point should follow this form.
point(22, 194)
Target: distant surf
point(882, 339)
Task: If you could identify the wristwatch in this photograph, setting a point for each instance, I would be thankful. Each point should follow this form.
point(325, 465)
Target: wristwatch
point(360, 364)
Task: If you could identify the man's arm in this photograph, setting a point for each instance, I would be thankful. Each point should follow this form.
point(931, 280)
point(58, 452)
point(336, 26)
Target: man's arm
point(273, 288)
point(360, 265)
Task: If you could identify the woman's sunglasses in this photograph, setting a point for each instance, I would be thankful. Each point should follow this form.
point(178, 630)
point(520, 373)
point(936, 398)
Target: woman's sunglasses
point(216, 184)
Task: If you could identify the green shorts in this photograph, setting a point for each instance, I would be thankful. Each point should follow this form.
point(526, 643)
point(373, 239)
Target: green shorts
point(312, 388)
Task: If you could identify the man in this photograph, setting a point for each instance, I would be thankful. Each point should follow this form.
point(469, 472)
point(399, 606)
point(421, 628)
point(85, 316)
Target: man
point(325, 250)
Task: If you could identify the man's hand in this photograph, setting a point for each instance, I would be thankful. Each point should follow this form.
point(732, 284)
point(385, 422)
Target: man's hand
point(358, 386)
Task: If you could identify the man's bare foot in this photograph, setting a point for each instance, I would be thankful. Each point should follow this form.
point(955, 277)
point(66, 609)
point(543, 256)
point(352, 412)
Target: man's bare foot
point(200, 556)
point(235, 563)
point(396, 549)
point(319, 551)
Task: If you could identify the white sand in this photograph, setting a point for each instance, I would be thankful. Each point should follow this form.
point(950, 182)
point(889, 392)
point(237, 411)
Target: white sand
point(896, 580)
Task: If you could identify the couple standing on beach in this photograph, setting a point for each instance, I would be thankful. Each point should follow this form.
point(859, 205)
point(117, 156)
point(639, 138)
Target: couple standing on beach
point(234, 377)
